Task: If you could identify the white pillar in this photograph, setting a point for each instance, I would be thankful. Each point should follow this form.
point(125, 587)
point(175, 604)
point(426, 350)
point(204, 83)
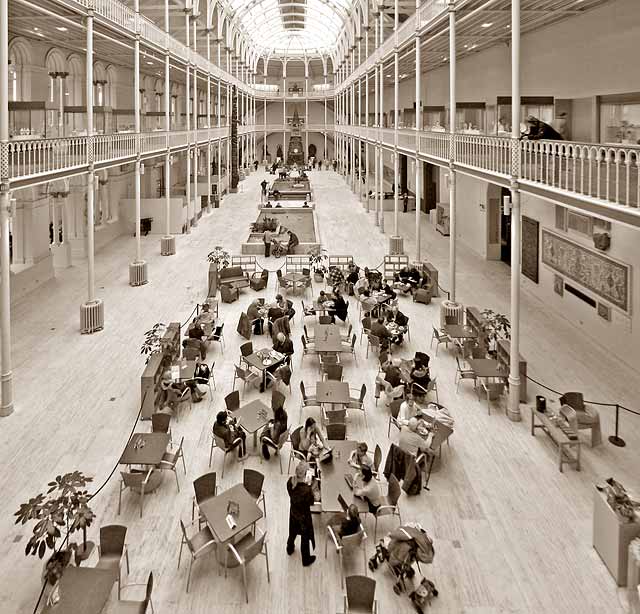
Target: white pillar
point(381, 139)
point(167, 243)
point(187, 112)
point(452, 128)
point(376, 99)
point(136, 119)
point(418, 123)
point(91, 175)
point(513, 410)
point(194, 110)
point(209, 161)
point(396, 118)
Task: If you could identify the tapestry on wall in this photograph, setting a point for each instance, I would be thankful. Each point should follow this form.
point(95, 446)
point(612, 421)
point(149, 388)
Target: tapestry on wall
point(605, 277)
point(530, 248)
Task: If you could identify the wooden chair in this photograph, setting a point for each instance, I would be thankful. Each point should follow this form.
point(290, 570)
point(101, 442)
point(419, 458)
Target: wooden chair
point(246, 349)
point(190, 353)
point(244, 327)
point(276, 446)
point(160, 423)
point(294, 439)
point(216, 442)
point(394, 411)
point(333, 372)
point(389, 506)
point(135, 607)
point(334, 416)
point(228, 293)
point(232, 401)
point(464, 374)
point(170, 460)
point(252, 481)
point(336, 431)
point(360, 597)
point(244, 551)
point(440, 337)
point(245, 375)
point(199, 544)
point(307, 401)
point(205, 488)
point(136, 481)
point(348, 543)
point(112, 548)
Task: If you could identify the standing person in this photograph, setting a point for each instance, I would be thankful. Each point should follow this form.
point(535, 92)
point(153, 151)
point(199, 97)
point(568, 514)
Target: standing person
point(267, 243)
point(300, 520)
point(264, 185)
point(405, 200)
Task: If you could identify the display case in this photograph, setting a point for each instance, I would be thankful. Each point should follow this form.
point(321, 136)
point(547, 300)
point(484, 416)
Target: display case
point(153, 121)
point(434, 118)
point(408, 118)
point(27, 120)
point(471, 117)
point(124, 120)
point(541, 107)
point(620, 119)
point(75, 121)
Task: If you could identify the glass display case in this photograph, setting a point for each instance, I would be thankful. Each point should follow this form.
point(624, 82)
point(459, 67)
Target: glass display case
point(541, 107)
point(27, 120)
point(75, 121)
point(620, 119)
point(124, 120)
point(152, 121)
point(408, 119)
point(471, 117)
point(434, 119)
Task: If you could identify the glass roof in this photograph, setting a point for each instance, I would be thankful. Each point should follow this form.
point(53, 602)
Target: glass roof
point(292, 26)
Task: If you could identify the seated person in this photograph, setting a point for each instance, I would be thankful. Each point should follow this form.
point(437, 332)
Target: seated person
point(346, 523)
point(293, 241)
point(340, 306)
point(268, 205)
point(284, 345)
point(396, 316)
point(195, 331)
point(419, 380)
point(322, 298)
point(312, 441)
point(227, 429)
point(410, 440)
point(353, 275)
point(200, 346)
point(359, 457)
point(172, 391)
point(206, 318)
point(409, 409)
point(274, 429)
point(253, 313)
point(391, 383)
point(365, 487)
point(388, 290)
point(378, 329)
point(361, 286)
point(201, 375)
point(420, 358)
point(285, 305)
point(437, 413)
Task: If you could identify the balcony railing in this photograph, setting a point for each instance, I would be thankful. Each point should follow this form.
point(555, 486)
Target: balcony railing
point(44, 156)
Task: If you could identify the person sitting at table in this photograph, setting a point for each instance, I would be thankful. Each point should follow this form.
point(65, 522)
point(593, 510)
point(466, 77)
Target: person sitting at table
point(286, 305)
point(419, 381)
point(378, 329)
point(312, 441)
point(230, 432)
point(322, 298)
point(346, 523)
point(198, 345)
point(388, 290)
point(284, 345)
point(172, 391)
point(206, 318)
point(353, 276)
point(408, 409)
point(253, 313)
point(201, 375)
point(391, 383)
point(397, 317)
point(300, 520)
point(410, 440)
point(277, 425)
point(361, 286)
point(340, 306)
point(360, 457)
point(195, 330)
point(437, 413)
point(365, 487)
point(421, 359)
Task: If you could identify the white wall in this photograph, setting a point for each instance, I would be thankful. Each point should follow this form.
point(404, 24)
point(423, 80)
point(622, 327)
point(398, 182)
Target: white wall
point(156, 209)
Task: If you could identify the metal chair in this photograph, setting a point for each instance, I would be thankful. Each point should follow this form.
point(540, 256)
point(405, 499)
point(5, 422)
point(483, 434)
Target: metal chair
point(190, 353)
point(183, 399)
point(252, 481)
point(218, 335)
point(232, 401)
point(347, 336)
point(433, 387)
point(294, 439)
point(389, 505)
point(358, 402)
point(373, 343)
point(366, 327)
point(160, 423)
point(310, 338)
point(377, 460)
point(308, 311)
point(205, 488)
point(277, 399)
point(208, 382)
point(112, 548)
point(216, 442)
point(307, 401)
point(333, 372)
point(277, 445)
point(352, 348)
point(199, 544)
point(347, 543)
point(136, 481)
point(135, 607)
point(246, 349)
point(307, 348)
point(244, 551)
point(334, 416)
point(394, 411)
point(325, 320)
point(245, 375)
point(360, 597)
point(170, 460)
point(440, 337)
point(464, 374)
point(493, 390)
point(336, 431)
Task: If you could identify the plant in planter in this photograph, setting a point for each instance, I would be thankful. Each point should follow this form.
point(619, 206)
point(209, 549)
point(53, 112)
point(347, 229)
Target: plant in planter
point(496, 326)
point(153, 340)
point(317, 256)
point(65, 505)
point(219, 259)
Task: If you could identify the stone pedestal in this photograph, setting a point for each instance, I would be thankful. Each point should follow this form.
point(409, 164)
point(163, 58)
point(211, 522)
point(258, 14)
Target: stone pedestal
point(396, 246)
point(138, 273)
point(167, 246)
point(91, 317)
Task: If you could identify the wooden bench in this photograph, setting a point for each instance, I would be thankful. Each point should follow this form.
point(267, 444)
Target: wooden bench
point(559, 436)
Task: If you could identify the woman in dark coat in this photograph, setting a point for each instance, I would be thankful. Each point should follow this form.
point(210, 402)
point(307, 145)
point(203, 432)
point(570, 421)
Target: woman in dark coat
point(300, 520)
point(340, 306)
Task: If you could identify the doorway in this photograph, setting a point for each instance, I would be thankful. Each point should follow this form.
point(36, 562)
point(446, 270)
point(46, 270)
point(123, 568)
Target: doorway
point(430, 183)
point(505, 228)
point(403, 174)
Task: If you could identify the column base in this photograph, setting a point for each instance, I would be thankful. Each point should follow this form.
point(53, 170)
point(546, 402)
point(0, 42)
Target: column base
point(396, 246)
point(138, 273)
point(513, 409)
point(6, 408)
point(167, 246)
point(91, 317)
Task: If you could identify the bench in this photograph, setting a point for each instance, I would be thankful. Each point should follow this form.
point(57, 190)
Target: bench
point(562, 436)
point(233, 276)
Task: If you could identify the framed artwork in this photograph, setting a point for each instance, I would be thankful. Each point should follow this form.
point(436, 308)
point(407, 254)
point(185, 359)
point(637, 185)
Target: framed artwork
point(558, 285)
point(530, 248)
point(607, 278)
point(604, 311)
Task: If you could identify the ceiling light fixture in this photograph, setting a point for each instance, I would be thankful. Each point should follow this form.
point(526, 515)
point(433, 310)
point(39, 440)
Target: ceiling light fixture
point(61, 28)
point(150, 63)
point(487, 24)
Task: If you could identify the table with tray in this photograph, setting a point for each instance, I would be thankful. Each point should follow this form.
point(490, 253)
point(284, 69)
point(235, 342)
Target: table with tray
point(561, 433)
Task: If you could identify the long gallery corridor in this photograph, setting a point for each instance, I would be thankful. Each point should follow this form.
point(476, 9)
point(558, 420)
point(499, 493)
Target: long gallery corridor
point(511, 533)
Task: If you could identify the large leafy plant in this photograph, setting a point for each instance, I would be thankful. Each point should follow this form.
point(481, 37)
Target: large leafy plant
point(317, 256)
point(496, 326)
point(153, 340)
point(219, 257)
point(65, 506)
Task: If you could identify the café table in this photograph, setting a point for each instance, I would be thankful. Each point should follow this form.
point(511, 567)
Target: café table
point(145, 449)
point(332, 392)
point(296, 279)
point(264, 359)
point(486, 368)
point(328, 339)
point(182, 370)
point(215, 510)
point(252, 417)
point(458, 331)
point(332, 482)
point(83, 590)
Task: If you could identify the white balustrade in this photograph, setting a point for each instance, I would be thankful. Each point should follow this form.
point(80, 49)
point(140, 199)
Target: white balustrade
point(42, 156)
point(435, 144)
point(489, 153)
point(407, 139)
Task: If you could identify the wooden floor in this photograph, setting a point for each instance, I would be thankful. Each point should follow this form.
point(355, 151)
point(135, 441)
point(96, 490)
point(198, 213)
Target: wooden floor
point(512, 534)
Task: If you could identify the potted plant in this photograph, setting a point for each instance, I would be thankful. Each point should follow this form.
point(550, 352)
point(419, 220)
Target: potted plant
point(218, 259)
point(317, 256)
point(495, 326)
point(65, 506)
point(153, 340)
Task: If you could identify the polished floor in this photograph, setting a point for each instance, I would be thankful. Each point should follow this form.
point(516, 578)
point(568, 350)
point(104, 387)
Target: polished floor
point(511, 533)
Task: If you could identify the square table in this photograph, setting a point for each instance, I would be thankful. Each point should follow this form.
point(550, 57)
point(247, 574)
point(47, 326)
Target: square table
point(328, 338)
point(257, 361)
point(151, 453)
point(252, 417)
point(83, 590)
point(332, 482)
point(214, 511)
point(295, 279)
point(182, 370)
point(333, 392)
point(487, 367)
point(458, 331)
